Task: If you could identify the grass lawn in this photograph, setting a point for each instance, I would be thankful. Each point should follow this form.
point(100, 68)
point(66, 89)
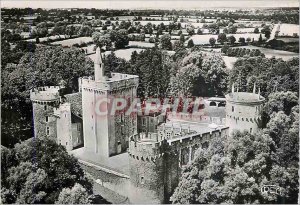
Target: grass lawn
point(122, 53)
point(204, 39)
point(285, 55)
point(70, 42)
point(288, 29)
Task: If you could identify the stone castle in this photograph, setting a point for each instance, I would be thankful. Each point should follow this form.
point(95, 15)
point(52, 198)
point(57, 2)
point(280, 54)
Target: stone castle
point(155, 150)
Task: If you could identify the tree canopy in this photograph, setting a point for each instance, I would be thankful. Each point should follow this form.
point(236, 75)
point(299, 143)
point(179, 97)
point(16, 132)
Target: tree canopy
point(39, 171)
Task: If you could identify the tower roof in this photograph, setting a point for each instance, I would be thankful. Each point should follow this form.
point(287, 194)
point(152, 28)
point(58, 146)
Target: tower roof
point(98, 59)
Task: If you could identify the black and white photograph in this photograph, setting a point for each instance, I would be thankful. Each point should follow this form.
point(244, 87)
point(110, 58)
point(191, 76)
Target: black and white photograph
point(150, 102)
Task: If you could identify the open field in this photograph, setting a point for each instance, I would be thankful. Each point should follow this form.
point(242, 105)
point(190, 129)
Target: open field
point(44, 39)
point(143, 23)
point(269, 53)
point(122, 53)
point(288, 29)
point(204, 39)
point(70, 42)
point(288, 39)
point(140, 44)
point(243, 30)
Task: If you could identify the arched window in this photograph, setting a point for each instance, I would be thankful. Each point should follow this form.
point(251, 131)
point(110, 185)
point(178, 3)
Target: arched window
point(212, 103)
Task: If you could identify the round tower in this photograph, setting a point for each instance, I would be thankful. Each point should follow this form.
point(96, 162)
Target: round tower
point(243, 110)
point(44, 100)
point(146, 164)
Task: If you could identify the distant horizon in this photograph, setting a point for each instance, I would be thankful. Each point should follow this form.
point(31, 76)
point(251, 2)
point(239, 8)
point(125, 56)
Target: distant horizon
point(165, 4)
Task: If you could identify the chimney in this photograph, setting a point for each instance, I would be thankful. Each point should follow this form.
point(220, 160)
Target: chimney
point(258, 93)
point(98, 66)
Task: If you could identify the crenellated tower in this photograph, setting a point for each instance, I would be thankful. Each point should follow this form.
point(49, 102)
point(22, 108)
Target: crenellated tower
point(44, 100)
point(147, 168)
point(243, 110)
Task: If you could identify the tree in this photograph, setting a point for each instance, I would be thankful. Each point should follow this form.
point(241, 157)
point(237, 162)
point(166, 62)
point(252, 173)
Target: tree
point(281, 101)
point(260, 39)
point(42, 179)
point(120, 38)
point(212, 41)
point(165, 42)
point(76, 195)
point(224, 48)
point(222, 38)
point(48, 65)
point(267, 31)
point(248, 40)
point(190, 30)
point(190, 43)
point(198, 75)
point(242, 40)
point(231, 39)
point(229, 171)
point(177, 45)
point(182, 39)
point(102, 40)
point(199, 31)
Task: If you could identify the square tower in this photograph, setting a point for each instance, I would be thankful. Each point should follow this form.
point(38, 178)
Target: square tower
point(107, 132)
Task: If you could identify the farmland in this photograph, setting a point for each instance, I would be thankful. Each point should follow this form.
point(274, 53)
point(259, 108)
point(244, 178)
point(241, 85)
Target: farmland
point(288, 29)
point(70, 42)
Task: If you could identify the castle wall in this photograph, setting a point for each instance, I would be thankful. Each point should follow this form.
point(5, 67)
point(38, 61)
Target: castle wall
point(64, 126)
point(161, 162)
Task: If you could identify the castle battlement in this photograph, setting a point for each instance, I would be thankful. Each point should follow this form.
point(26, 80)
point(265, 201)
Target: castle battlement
point(46, 93)
point(146, 149)
point(245, 98)
point(151, 148)
point(118, 81)
point(196, 137)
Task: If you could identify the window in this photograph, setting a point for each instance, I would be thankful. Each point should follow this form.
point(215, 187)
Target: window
point(232, 108)
point(78, 127)
point(45, 107)
point(250, 130)
point(66, 143)
point(212, 103)
point(47, 119)
point(47, 130)
point(92, 116)
point(65, 115)
point(142, 180)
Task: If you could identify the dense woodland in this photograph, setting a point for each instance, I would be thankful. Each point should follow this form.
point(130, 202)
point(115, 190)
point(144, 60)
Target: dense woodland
point(231, 170)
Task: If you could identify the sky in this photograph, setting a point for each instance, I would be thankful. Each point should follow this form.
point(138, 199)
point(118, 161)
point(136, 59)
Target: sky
point(152, 4)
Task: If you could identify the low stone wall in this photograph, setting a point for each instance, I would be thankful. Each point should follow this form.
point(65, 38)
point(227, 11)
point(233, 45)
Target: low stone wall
point(109, 179)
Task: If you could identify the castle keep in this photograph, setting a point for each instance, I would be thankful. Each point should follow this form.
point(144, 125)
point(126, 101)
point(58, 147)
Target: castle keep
point(146, 152)
point(107, 134)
